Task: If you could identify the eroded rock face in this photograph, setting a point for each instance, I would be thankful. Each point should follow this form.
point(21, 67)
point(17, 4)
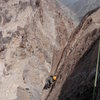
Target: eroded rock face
point(76, 68)
point(29, 32)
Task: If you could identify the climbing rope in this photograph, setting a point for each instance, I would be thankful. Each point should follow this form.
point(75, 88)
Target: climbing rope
point(96, 75)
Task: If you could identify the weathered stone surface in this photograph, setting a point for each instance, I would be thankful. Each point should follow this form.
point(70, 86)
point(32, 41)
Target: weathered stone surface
point(29, 32)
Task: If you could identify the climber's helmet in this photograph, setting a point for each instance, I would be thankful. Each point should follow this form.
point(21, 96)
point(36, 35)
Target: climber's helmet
point(54, 78)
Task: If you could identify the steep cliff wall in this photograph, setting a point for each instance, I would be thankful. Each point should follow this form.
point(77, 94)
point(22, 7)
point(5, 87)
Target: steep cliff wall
point(75, 69)
point(29, 32)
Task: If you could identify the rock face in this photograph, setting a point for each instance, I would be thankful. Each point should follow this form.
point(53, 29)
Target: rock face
point(30, 30)
point(75, 69)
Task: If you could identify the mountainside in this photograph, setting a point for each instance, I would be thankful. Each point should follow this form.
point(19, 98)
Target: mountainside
point(81, 7)
point(38, 38)
point(75, 69)
point(69, 13)
point(69, 2)
point(30, 30)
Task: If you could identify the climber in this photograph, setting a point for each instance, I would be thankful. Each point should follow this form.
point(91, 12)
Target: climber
point(50, 81)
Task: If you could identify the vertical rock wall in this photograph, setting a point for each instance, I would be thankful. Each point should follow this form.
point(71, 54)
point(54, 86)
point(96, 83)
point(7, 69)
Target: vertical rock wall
point(29, 32)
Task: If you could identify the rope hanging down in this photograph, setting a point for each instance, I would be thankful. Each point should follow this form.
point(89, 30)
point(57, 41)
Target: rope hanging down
point(96, 75)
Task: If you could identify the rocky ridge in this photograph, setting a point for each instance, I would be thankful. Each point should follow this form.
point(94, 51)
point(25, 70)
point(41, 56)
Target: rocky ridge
point(75, 69)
